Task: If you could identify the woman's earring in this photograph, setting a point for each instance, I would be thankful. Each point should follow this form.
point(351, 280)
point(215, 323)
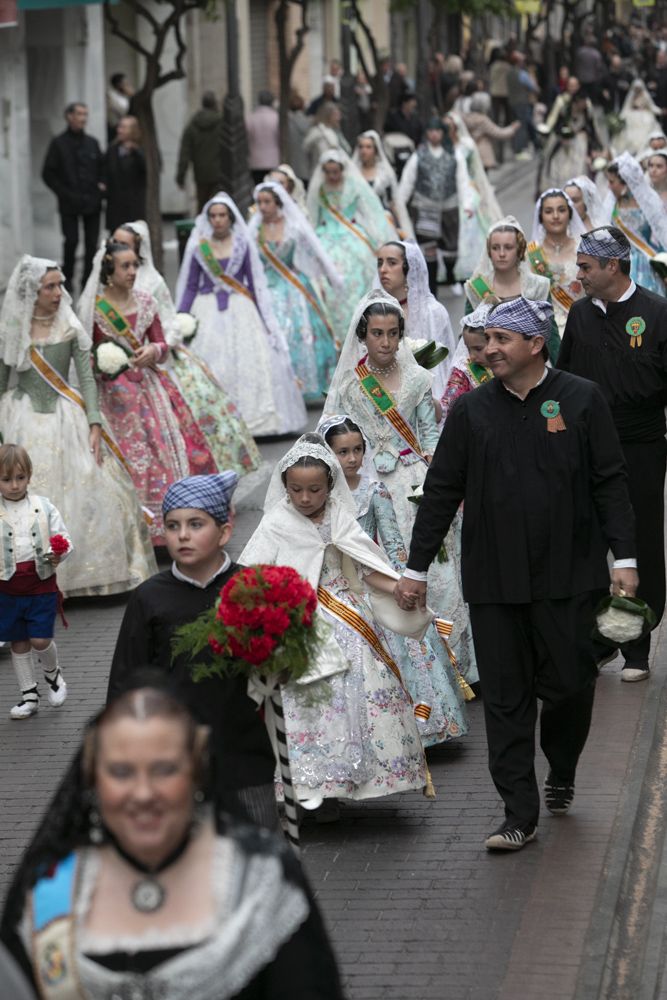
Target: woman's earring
point(95, 832)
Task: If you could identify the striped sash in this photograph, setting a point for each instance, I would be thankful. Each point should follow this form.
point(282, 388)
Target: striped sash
point(117, 322)
point(387, 408)
point(219, 276)
point(444, 630)
point(634, 237)
point(539, 264)
point(56, 382)
point(344, 221)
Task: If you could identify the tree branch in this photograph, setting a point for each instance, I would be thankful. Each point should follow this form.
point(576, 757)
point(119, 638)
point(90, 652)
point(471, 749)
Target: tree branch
point(116, 29)
point(301, 33)
point(177, 73)
point(360, 54)
point(369, 36)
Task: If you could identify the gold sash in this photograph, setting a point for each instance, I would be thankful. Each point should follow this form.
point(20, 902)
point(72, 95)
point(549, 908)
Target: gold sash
point(285, 272)
point(634, 237)
point(337, 214)
point(444, 630)
point(540, 265)
point(56, 382)
point(117, 321)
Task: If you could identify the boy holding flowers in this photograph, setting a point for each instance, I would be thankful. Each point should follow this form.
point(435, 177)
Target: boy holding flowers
point(196, 513)
point(34, 540)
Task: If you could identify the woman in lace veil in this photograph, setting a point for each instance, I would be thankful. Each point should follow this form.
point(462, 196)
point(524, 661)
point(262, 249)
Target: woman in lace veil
point(640, 214)
point(61, 428)
point(552, 252)
point(351, 224)
point(400, 445)
point(203, 908)
point(585, 197)
point(640, 116)
point(351, 742)
point(294, 261)
point(424, 665)
point(213, 408)
point(402, 271)
point(371, 159)
point(221, 282)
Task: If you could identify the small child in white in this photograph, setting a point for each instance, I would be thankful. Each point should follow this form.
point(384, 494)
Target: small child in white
point(33, 541)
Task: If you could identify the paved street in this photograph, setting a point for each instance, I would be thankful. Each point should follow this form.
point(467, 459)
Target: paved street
point(416, 908)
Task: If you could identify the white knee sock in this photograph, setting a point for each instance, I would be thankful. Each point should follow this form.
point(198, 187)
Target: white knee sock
point(47, 659)
point(25, 675)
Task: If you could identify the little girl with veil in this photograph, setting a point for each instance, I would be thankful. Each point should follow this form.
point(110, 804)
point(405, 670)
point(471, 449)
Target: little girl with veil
point(361, 740)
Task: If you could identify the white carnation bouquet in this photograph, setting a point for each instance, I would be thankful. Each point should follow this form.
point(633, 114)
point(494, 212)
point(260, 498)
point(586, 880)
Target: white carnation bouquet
point(186, 326)
point(620, 619)
point(111, 359)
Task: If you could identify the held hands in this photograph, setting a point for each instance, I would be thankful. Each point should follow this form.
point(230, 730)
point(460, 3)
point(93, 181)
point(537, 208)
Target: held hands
point(624, 582)
point(95, 441)
point(410, 594)
point(146, 356)
point(53, 559)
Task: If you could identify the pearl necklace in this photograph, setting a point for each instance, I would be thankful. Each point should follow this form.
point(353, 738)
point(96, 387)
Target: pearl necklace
point(384, 371)
point(44, 320)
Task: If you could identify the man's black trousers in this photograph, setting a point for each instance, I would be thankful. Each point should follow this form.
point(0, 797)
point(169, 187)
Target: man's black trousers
point(525, 652)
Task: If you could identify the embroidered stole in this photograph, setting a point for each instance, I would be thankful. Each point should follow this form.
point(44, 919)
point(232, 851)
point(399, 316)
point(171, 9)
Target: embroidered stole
point(344, 221)
point(479, 373)
point(117, 322)
point(539, 264)
point(481, 287)
point(636, 240)
point(220, 277)
point(387, 408)
point(282, 269)
point(53, 942)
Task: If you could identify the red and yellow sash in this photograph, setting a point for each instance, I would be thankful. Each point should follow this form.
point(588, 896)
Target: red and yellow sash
point(285, 272)
point(539, 264)
point(340, 217)
point(218, 274)
point(386, 406)
point(634, 237)
point(444, 630)
point(117, 322)
point(348, 616)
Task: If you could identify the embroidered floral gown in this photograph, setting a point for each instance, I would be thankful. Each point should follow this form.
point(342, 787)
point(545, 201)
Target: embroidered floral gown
point(99, 505)
point(464, 377)
point(641, 271)
point(234, 342)
point(363, 741)
point(226, 432)
point(424, 666)
point(150, 419)
point(401, 471)
point(311, 344)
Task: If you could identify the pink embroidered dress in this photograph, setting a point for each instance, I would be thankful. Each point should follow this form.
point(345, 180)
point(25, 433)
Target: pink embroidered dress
point(150, 419)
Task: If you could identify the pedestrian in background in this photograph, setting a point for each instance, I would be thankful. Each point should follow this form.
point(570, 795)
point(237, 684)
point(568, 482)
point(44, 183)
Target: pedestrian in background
point(263, 128)
point(74, 170)
point(119, 98)
point(200, 148)
point(125, 172)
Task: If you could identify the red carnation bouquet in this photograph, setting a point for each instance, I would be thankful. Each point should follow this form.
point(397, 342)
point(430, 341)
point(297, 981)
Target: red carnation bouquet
point(58, 545)
point(262, 623)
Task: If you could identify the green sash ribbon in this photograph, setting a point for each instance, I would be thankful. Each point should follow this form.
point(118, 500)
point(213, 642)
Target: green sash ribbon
point(479, 285)
point(480, 373)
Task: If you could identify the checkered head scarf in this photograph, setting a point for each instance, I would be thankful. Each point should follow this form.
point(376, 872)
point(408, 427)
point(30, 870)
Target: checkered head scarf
point(607, 242)
point(212, 494)
point(525, 316)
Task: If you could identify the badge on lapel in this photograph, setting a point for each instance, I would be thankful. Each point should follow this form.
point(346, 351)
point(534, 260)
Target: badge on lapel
point(551, 410)
point(634, 328)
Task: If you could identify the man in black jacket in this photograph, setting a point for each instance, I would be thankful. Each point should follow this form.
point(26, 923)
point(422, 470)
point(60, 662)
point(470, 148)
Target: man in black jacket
point(536, 459)
point(74, 170)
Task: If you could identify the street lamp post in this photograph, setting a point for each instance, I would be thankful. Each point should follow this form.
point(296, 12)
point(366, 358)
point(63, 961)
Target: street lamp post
point(234, 141)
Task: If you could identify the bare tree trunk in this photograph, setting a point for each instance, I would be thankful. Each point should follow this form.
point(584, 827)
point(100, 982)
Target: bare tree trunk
point(287, 60)
point(143, 106)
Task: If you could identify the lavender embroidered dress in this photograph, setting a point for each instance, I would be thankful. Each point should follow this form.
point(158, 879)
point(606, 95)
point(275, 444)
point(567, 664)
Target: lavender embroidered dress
point(234, 342)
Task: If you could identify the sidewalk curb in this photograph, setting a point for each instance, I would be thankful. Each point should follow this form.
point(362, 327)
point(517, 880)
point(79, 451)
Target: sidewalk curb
point(616, 953)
